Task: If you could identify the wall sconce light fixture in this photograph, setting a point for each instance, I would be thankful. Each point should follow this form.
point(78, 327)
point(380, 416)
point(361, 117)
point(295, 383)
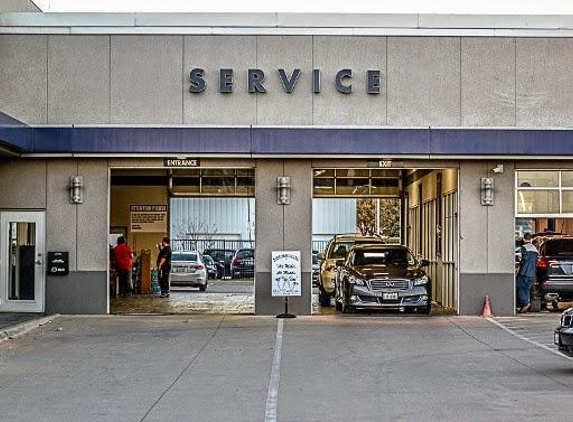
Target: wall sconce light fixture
point(487, 190)
point(283, 190)
point(76, 189)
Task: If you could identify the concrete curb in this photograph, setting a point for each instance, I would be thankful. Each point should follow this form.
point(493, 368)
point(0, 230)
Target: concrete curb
point(25, 327)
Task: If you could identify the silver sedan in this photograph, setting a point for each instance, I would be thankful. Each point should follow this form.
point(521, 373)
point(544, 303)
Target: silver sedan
point(188, 268)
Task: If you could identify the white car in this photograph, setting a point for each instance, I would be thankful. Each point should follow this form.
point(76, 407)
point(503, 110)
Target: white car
point(188, 268)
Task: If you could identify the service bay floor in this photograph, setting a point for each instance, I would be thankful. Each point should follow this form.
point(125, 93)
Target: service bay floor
point(320, 368)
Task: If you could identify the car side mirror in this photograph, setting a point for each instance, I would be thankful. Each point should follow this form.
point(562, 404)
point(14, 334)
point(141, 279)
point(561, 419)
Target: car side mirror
point(424, 263)
point(321, 256)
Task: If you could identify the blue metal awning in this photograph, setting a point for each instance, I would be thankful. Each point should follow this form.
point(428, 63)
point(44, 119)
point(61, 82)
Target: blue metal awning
point(282, 141)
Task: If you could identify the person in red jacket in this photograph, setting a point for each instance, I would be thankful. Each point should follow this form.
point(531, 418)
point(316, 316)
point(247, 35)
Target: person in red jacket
point(123, 257)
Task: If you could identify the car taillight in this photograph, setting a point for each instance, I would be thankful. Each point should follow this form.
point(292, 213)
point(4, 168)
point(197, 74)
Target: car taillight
point(543, 263)
point(237, 261)
point(199, 267)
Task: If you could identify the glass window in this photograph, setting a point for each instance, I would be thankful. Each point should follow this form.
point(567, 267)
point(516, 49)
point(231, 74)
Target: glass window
point(21, 260)
point(186, 185)
point(567, 179)
point(219, 185)
point(352, 173)
point(538, 179)
point(538, 202)
point(352, 186)
point(385, 186)
point(246, 186)
point(362, 182)
point(218, 172)
point(567, 199)
point(324, 173)
point(323, 187)
point(245, 173)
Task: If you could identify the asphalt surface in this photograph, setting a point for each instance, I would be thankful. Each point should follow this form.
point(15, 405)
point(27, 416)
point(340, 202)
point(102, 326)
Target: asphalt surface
point(10, 319)
point(321, 368)
point(536, 327)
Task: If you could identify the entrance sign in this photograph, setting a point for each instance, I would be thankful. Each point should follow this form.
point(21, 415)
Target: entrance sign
point(148, 218)
point(286, 276)
point(181, 162)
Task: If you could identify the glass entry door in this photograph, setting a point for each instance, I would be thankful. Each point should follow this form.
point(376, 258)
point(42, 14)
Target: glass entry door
point(22, 262)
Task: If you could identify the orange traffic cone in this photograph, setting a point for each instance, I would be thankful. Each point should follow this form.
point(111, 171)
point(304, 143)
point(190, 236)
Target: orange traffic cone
point(486, 308)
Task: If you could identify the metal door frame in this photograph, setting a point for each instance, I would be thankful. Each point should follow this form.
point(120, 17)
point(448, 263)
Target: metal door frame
point(38, 304)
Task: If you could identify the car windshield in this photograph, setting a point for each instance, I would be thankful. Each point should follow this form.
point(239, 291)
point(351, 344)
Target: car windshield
point(339, 250)
point(559, 247)
point(383, 257)
point(184, 256)
point(245, 253)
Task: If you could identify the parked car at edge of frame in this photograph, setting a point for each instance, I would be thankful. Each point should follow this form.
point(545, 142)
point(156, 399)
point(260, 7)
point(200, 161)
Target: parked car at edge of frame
point(563, 335)
point(211, 266)
point(188, 268)
point(554, 275)
point(376, 276)
point(223, 259)
point(334, 255)
point(315, 268)
point(243, 263)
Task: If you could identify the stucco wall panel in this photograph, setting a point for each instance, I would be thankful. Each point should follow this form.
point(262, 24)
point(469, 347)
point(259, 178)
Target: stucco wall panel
point(92, 224)
point(276, 107)
point(23, 77)
point(423, 81)
point(474, 236)
point(23, 184)
point(331, 54)
point(210, 106)
point(501, 221)
point(146, 79)
point(78, 79)
point(61, 229)
point(544, 83)
point(488, 81)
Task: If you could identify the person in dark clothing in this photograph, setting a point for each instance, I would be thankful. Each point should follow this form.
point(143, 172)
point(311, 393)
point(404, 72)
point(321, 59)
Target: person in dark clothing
point(164, 266)
point(526, 273)
point(123, 257)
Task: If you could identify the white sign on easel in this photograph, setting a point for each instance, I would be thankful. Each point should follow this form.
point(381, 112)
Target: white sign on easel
point(286, 276)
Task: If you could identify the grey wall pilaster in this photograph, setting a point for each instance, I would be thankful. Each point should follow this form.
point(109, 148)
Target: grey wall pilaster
point(486, 240)
point(282, 227)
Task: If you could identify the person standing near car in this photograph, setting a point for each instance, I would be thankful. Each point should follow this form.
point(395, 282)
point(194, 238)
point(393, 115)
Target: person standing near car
point(526, 273)
point(164, 266)
point(123, 257)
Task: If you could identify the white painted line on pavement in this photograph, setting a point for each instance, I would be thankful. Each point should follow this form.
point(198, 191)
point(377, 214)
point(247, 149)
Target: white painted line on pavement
point(535, 343)
point(273, 393)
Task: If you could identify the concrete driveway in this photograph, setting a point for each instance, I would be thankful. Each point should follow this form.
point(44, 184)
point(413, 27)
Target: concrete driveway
point(246, 368)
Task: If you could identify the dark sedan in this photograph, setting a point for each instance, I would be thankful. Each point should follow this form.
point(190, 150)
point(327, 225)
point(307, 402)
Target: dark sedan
point(554, 277)
point(243, 264)
point(564, 333)
point(383, 277)
point(211, 266)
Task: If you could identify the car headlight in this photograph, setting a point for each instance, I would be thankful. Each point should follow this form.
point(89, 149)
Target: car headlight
point(355, 280)
point(420, 281)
